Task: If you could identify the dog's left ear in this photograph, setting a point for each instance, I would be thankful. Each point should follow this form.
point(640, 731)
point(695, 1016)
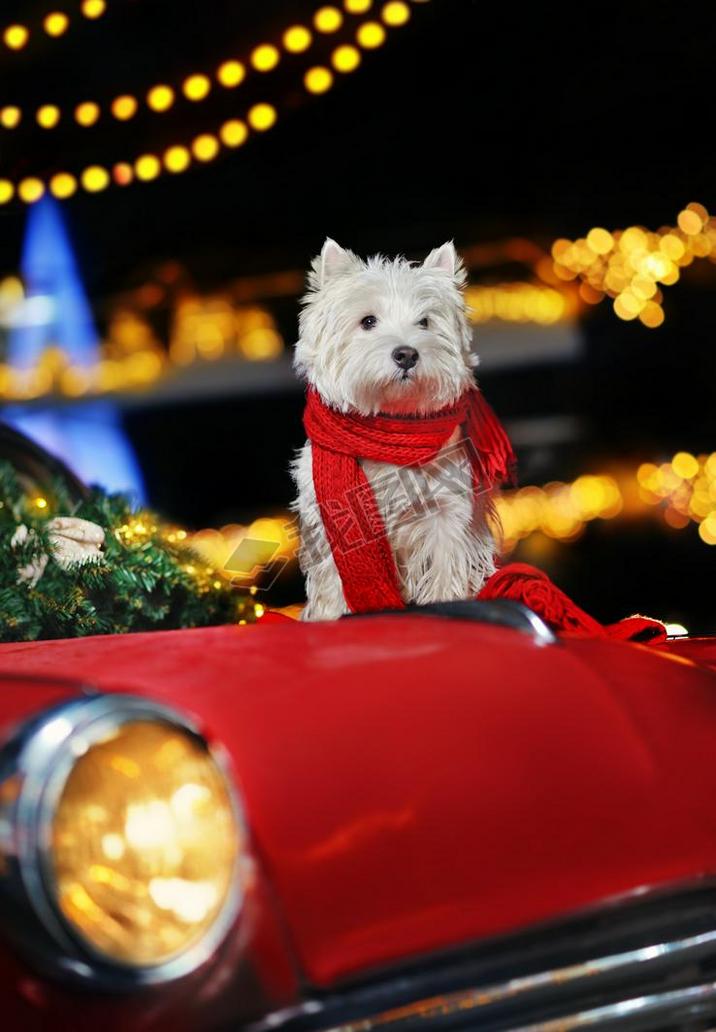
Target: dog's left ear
point(444, 257)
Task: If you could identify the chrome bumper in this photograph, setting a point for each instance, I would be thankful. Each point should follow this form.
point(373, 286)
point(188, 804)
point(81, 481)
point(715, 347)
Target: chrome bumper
point(643, 962)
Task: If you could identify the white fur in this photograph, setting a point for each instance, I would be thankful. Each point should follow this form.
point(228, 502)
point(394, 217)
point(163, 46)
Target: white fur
point(443, 545)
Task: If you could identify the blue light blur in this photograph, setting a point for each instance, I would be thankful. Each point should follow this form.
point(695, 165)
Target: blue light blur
point(87, 435)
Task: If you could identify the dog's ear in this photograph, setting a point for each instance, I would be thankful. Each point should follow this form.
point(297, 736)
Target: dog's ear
point(444, 257)
point(334, 260)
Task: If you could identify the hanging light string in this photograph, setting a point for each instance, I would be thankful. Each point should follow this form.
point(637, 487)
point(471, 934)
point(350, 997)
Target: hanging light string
point(206, 146)
point(231, 73)
point(15, 37)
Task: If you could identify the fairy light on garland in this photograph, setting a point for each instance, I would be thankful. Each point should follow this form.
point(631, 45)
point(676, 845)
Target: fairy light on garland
point(55, 24)
point(206, 146)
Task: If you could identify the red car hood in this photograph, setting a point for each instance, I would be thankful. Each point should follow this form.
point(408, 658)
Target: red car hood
point(415, 782)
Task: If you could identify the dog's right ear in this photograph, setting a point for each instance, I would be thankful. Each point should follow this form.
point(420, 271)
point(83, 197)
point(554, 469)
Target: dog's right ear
point(334, 260)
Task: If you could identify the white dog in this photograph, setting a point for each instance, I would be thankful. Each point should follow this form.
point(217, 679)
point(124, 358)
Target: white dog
point(389, 337)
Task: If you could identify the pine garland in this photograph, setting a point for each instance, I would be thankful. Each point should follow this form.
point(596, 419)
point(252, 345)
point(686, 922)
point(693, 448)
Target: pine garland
point(147, 578)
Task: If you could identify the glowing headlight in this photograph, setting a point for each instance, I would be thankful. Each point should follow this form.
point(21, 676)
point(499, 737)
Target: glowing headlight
point(128, 838)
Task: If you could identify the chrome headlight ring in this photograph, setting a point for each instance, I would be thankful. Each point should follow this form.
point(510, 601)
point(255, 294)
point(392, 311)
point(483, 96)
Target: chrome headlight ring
point(35, 766)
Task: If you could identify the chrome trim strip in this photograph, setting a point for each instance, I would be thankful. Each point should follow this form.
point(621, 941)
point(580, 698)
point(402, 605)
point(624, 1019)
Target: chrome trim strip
point(469, 999)
point(38, 758)
point(652, 1005)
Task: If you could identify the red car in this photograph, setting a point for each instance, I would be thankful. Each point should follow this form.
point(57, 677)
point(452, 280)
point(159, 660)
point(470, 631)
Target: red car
point(444, 819)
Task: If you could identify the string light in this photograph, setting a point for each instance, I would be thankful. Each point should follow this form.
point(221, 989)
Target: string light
point(10, 116)
point(160, 98)
point(233, 133)
point(265, 57)
point(371, 35)
point(262, 117)
point(63, 185)
point(176, 159)
point(30, 189)
point(395, 13)
point(87, 113)
point(95, 178)
point(297, 39)
point(318, 80)
point(231, 74)
point(48, 116)
point(124, 107)
point(54, 24)
point(328, 19)
point(93, 8)
point(345, 58)
point(205, 147)
point(122, 173)
point(147, 167)
point(196, 87)
point(15, 37)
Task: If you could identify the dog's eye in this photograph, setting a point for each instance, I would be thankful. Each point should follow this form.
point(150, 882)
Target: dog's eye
point(368, 322)
point(423, 322)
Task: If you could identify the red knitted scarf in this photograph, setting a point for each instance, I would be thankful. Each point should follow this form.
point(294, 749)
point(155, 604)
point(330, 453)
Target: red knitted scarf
point(349, 511)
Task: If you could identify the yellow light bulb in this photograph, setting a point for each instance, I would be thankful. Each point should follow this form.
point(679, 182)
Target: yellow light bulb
point(600, 240)
point(196, 87)
point(346, 58)
point(233, 133)
point(176, 159)
point(370, 35)
point(87, 113)
point(15, 37)
point(357, 6)
point(10, 116)
point(48, 116)
point(265, 57)
point(122, 173)
point(160, 98)
point(144, 825)
point(63, 185)
point(690, 222)
point(124, 107)
point(147, 167)
point(95, 178)
point(31, 189)
point(93, 8)
point(56, 23)
point(318, 79)
point(205, 147)
point(296, 39)
point(7, 191)
point(231, 73)
point(262, 117)
point(328, 19)
point(395, 13)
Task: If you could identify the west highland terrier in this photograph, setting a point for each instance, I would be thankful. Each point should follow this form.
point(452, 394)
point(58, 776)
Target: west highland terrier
point(393, 482)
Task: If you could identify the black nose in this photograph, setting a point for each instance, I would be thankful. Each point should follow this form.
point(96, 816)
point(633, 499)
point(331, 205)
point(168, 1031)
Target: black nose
point(405, 357)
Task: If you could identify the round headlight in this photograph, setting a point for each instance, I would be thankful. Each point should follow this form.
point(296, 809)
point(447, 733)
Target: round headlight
point(128, 837)
point(144, 844)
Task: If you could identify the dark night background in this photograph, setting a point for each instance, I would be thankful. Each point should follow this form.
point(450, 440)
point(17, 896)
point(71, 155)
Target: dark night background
point(476, 122)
